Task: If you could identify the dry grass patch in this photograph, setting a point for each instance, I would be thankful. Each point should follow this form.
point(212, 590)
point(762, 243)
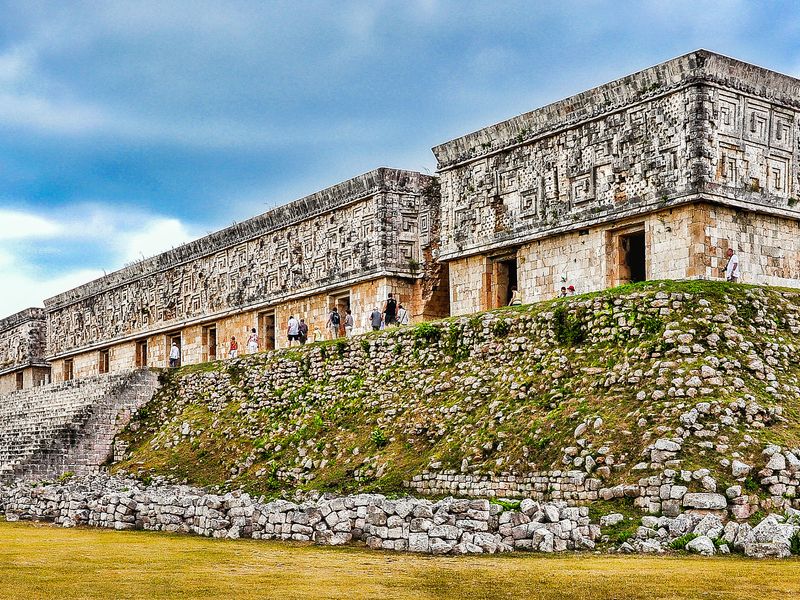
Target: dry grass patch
point(41, 561)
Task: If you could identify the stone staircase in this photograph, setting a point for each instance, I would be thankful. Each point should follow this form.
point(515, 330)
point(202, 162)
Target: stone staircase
point(70, 426)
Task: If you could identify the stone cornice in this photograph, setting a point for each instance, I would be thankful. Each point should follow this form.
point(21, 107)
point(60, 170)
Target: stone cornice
point(690, 69)
point(380, 180)
point(23, 316)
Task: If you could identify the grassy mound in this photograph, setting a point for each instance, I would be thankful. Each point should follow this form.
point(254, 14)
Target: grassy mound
point(588, 382)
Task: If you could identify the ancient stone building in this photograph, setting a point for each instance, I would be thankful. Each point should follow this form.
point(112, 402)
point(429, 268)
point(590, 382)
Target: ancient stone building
point(22, 351)
point(652, 176)
point(347, 246)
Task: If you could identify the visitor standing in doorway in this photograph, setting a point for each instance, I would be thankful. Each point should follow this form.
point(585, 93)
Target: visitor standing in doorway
point(174, 355)
point(233, 347)
point(390, 311)
point(302, 330)
point(348, 324)
point(293, 330)
point(516, 297)
point(375, 319)
point(732, 272)
point(334, 319)
point(252, 342)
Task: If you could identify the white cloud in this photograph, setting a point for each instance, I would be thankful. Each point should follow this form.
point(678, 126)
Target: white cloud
point(107, 237)
point(159, 235)
point(22, 289)
point(18, 225)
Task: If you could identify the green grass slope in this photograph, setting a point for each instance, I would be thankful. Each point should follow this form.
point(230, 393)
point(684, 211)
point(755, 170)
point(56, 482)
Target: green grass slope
point(554, 385)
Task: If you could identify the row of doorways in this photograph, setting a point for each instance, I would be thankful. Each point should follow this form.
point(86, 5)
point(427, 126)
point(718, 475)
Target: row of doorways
point(628, 253)
point(213, 347)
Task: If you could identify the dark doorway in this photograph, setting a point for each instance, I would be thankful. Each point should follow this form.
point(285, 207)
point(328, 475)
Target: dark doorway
point(210, 342)
point(266, 329)
point(505, 281)
point(104, 361)
point(634, 256)
point(176, 338)
point(342, 304)
point(20, 380)
point(69, 371)
point(141, 353)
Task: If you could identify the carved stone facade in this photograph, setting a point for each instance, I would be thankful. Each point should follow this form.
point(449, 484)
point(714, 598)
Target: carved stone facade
point(653, 176)
point(347, 246)
point(566, 194)
point(22, 350)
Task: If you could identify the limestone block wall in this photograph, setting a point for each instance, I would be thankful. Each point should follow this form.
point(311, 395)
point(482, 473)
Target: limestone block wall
point(588, 259)
point(196, 346)
point(363, 229)
point(768, 247)
point(70, 426)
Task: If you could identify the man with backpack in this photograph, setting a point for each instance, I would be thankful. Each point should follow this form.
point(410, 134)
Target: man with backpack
point(333, 323)
point(390, 311)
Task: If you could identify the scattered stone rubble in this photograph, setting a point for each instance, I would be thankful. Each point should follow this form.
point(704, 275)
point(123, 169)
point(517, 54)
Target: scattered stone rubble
point(449, 526)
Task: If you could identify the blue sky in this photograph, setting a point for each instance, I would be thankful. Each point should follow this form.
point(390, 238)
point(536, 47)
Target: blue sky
point(127, 128)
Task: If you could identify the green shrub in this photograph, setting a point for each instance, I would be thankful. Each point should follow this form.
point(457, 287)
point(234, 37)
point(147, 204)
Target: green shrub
point(501, 327)
point(507, 504)
point(680, 543)
point(365, 346)
point(426, 333)
point(341, 347)
point(378, 437)
point(569, 328)
point(794, 543)
point(651, 325)
point(751, 484)
point(624, 536)
point(66, 476)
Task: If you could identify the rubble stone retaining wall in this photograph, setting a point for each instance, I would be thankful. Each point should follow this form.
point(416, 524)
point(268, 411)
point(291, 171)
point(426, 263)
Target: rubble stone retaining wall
point(571, 486)
point(450, 526)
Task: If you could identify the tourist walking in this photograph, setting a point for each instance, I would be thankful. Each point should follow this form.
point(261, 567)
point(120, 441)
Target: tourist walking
point(233, 348)
point(375, 319)
point(390, 311)
point(516, 297)
point(348, 324)
point(318, 337)
point(293, 330)
point(174, 355)
point(252, 342)
point(334, 319)
point(402, 315)
point(732, 268)
point(302, 330)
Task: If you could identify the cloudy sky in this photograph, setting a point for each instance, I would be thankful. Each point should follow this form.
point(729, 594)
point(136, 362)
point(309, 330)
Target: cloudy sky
point(127, 128)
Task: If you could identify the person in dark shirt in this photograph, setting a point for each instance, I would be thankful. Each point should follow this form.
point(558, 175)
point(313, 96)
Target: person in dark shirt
point(390, 311)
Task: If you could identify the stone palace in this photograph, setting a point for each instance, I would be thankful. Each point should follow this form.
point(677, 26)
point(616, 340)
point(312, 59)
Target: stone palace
point(652, 176)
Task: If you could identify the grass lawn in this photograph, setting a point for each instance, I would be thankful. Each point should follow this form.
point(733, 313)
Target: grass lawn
point(42, 561)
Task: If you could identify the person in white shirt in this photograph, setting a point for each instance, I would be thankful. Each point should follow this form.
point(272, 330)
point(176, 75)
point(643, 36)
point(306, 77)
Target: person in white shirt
point(174, 355)
point(252, 342)
point(293, 330)
point(402, 316)
point(348, 324)
point(732, 272)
